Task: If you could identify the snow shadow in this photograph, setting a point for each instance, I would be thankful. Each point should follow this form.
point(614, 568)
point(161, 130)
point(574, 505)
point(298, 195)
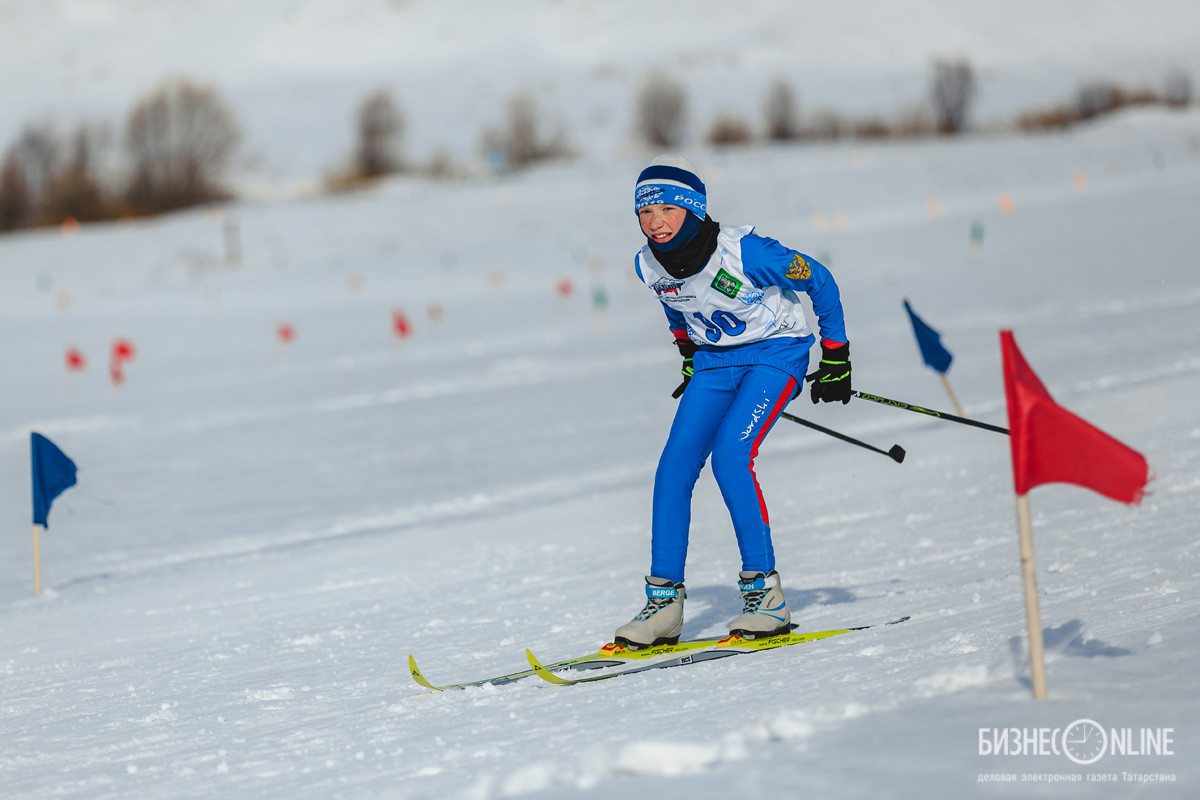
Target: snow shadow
point(718, 605)
point(1068, 639)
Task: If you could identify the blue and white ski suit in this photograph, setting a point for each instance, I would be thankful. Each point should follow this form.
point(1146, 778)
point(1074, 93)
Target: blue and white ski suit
point(744, 311)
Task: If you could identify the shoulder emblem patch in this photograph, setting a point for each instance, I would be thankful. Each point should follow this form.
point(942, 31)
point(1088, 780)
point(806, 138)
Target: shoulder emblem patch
point(726, 284)
point(798, 270)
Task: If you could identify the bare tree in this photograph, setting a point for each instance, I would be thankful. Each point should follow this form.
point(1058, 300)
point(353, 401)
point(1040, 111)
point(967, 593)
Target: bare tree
point(728, 129)
point(179, 140)
point(913, 123)
point(826, 125)
point(380, 126)
point(1097, 97)
point(43, 180)
point(26, 176)
point(1178, 91)
point(76, 190)
point(781, 112)
point(661, 111)
point(521, 145)
point(523, 138)
point(16, 198)
point(38, 152)
point(952, 89)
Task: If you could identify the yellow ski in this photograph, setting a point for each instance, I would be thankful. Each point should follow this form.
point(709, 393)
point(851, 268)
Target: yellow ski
point(704, 650)
point(613, 659)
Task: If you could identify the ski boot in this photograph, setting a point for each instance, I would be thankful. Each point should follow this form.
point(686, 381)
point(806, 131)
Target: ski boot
point(764, 611)
point(660, 622)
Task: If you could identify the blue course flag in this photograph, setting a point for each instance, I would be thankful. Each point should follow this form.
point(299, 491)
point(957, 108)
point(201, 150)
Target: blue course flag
point(53, 473)
point(930, 342)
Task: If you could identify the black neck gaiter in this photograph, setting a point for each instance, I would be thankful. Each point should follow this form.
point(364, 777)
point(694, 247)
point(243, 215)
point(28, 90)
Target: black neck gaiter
point(690, 257)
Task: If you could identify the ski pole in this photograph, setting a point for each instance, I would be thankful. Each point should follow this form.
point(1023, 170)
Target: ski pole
point(896, 453)
point(874, 398)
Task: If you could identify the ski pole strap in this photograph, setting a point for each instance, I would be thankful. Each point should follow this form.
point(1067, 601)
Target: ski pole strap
point(874, 398)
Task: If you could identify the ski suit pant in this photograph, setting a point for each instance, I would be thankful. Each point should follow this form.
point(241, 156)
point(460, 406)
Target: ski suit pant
point(726, 413)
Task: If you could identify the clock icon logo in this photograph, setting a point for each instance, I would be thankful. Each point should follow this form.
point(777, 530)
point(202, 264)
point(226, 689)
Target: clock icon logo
point(1084, 741)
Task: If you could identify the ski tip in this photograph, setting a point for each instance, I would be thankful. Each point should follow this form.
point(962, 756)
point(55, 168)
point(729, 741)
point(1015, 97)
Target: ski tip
point(542, 672)
point(533, 662)
point(417, 676)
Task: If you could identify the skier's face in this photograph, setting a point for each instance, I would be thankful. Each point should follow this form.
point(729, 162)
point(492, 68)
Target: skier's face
point(661, 222)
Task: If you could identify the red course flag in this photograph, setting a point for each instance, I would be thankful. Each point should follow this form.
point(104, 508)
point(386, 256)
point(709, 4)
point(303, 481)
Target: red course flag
point(122, 351)
point(75, 360)
point(285, 332)
point(1052, 445)
point(400, 324)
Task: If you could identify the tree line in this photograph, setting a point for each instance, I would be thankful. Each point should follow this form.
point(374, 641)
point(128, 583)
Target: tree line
point(178, 142)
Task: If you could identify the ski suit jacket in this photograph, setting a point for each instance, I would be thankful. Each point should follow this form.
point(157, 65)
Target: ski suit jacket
point(743, 308)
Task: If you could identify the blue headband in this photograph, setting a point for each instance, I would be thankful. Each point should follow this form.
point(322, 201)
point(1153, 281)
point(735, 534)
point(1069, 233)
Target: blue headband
point(673, 186)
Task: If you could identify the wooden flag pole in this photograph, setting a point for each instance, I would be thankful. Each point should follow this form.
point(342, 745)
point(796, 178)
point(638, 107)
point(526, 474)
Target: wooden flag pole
point(37, 560)
point(949, 391)
point(1033, 616)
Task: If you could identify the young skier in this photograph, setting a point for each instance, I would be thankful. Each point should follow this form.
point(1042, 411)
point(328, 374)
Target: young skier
point(730, 297)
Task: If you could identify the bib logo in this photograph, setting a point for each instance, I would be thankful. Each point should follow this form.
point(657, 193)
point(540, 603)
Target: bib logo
point(666, 286)
point(798, 270)
point(726, 284)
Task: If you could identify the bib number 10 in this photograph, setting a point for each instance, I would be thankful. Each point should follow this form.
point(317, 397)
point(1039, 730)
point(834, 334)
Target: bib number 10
point(722, 322)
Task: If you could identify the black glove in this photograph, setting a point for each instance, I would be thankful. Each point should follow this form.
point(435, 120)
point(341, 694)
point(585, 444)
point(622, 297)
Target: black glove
point(687, 349)
point(831, 381)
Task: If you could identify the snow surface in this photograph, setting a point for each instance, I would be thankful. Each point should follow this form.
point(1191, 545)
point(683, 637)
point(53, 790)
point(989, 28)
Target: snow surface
point(262, 532)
